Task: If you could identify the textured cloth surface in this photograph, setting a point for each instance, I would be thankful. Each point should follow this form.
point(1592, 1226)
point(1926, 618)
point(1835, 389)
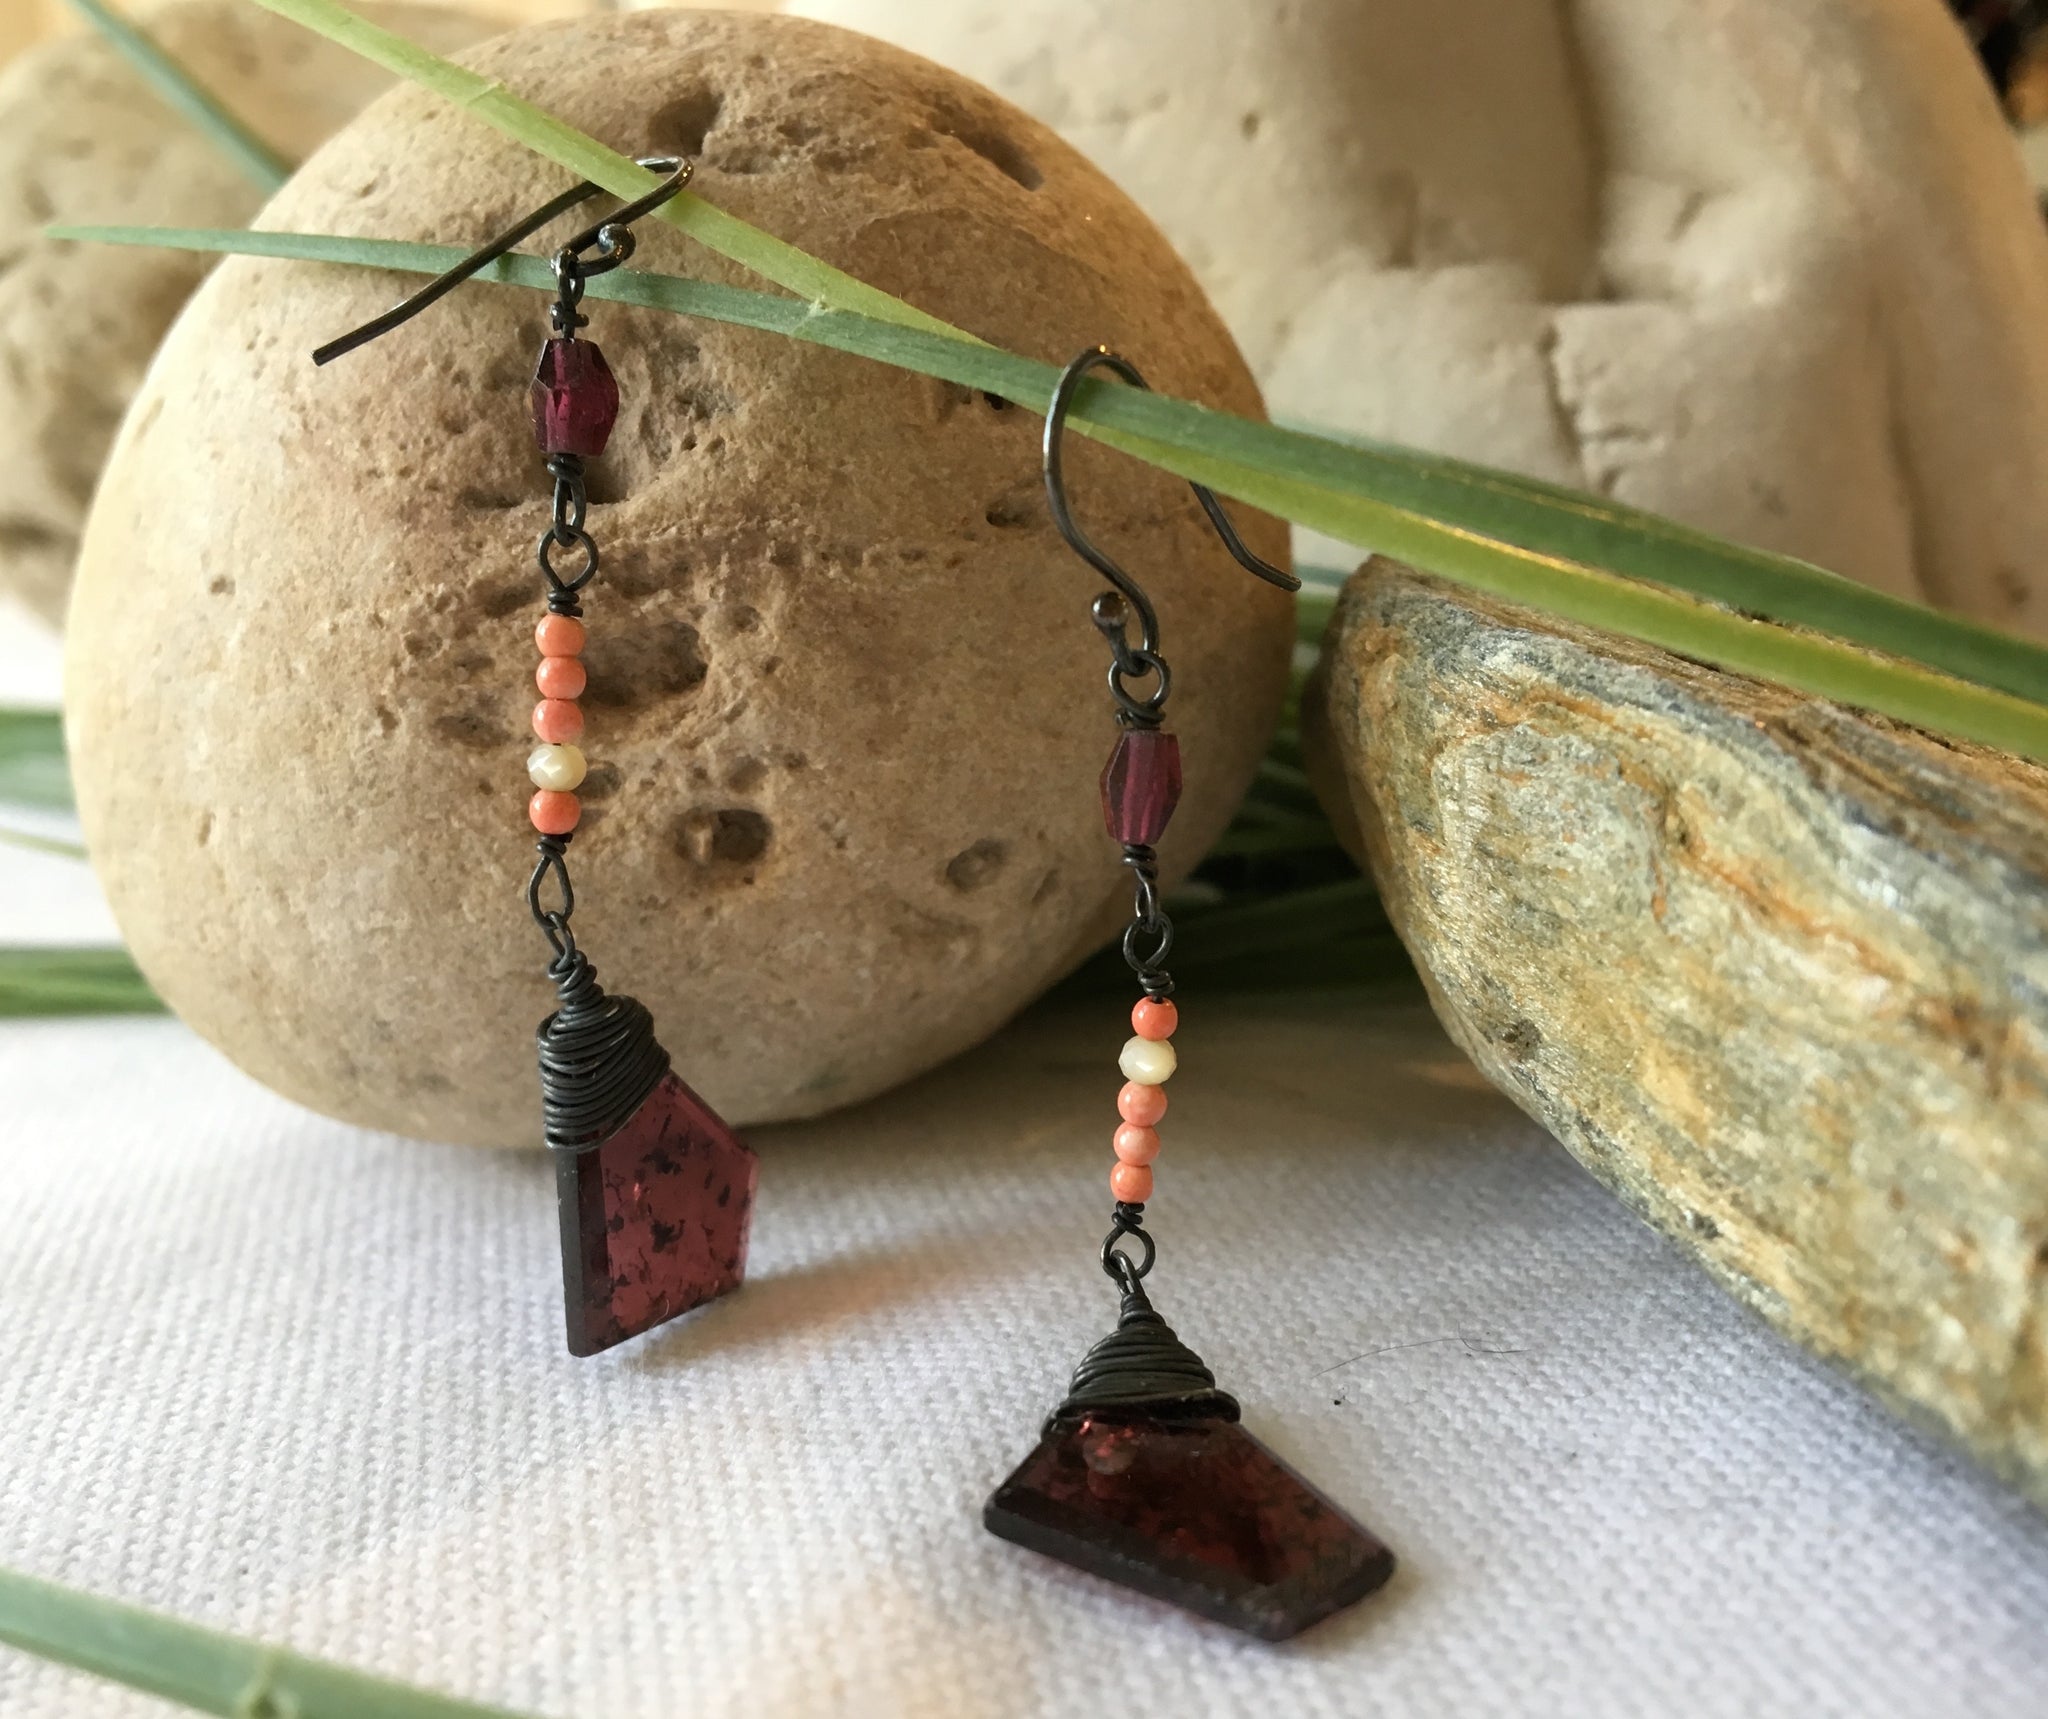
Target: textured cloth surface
point(307, 1384)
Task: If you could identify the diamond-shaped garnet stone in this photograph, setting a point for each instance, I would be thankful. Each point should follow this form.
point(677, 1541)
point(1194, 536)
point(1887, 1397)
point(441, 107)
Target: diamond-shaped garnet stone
point(1195, 1512)
point(654, 1218)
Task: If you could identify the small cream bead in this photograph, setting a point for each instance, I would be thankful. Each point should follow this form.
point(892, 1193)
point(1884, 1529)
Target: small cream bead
point(1150, 1062)
point(557, 768)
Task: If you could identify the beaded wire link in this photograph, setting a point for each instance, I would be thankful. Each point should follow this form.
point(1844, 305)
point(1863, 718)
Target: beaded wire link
point(575, 401)
point(1140, 787)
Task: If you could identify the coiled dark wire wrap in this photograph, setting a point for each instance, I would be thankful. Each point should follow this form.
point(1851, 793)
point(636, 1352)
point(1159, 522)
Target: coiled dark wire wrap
point(599, 1058)
point(1143, 1367)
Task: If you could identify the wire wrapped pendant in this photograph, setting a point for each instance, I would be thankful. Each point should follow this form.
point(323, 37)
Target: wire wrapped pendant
point(1143, 1474)
point(655, 1191)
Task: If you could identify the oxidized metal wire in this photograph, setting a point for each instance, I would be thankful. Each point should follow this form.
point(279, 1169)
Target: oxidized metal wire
point(1141, 660)
point(604, 238)
point(599, 1058)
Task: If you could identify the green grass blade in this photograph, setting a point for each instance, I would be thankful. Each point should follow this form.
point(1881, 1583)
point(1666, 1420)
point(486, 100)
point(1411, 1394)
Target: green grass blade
point(773, 259)
point(1543, 519)
point(32, 769)
point(1642, 545)
point(200, 1668)
point(94, 981)
point(177, 87)
point(1327, 485)
point(40, 844)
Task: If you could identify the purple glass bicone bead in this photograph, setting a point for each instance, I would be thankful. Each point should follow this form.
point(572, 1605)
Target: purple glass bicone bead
point(575, 399)
point(1141, 786)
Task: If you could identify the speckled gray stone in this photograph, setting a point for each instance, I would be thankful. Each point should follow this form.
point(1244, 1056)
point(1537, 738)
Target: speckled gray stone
point(846, 711)
point(1775, 971)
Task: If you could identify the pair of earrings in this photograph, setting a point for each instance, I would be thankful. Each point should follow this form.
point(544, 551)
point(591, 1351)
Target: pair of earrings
point(1142, 1473)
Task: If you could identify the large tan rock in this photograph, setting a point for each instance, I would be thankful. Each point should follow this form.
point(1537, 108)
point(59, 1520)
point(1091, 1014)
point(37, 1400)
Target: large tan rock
point(1776, 972)
point(82, 139)
point(847, 710)
point(1770, 266)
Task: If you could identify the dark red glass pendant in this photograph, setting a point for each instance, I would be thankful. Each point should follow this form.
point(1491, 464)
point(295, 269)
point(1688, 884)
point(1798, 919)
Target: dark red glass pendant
point(1145, 1477)
point(654, 1218)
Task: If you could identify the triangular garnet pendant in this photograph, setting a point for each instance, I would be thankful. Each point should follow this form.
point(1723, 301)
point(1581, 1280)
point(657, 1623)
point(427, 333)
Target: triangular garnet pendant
point(1145, 1477)
point(654, 1219)
point(655, 1190)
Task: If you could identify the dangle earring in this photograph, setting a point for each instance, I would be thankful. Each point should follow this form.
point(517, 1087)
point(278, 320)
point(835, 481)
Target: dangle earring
point(655, 1191)
point(1142, 1474)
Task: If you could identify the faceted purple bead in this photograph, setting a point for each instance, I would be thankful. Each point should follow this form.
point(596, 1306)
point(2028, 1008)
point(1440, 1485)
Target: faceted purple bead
point(1198, 1513)
point(1141, 786)
point(575, 399)
point(654, 1219)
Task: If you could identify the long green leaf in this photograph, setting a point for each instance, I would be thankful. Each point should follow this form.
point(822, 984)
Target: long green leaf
point(1347, 492)
point(34, 843)
point(1574, 527)
point(55, 981)
point(187, 96)
point(773, 259)
point(1643, 545)
point(200, 1668)
point(32, 771)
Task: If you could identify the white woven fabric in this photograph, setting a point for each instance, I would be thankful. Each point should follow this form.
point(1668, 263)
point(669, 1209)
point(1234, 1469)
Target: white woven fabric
point(307, 1384)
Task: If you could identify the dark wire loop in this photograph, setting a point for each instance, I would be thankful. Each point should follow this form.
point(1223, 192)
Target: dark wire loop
point(1147, 962)
point(1124, 1271)
point(610, 253)
point(566, 537)
point(1054, 466)
point(553, 867)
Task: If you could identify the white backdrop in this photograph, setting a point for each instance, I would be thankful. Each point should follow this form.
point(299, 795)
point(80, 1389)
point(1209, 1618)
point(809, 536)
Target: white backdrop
point(304, 1383)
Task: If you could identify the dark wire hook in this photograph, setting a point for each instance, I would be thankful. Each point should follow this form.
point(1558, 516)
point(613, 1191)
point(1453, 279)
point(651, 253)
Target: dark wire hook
point(611, 238)
point(1100, 357)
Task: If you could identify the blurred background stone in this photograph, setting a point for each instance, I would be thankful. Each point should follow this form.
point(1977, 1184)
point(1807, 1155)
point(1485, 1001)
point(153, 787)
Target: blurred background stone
point(82, 139)
point(1772, 267)
point(1776, 972)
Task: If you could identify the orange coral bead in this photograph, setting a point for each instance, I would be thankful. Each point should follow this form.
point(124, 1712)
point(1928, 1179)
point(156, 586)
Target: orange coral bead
point(560, 677)
point(1131, 1182)
point(558, 721)
point(554, 813)
point(1141, 1104)
point(560, 636)
point(1135, 1145)
point(1154, 1019)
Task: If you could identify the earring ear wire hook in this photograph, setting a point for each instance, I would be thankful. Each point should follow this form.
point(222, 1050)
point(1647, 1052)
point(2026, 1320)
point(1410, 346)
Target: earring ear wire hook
point(1102, 358)
point(611, 238)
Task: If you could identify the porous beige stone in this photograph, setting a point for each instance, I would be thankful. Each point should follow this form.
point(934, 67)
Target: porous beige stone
point(847, 711)
point(1772, 267)
point(1775, 971)
point(82, 139)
